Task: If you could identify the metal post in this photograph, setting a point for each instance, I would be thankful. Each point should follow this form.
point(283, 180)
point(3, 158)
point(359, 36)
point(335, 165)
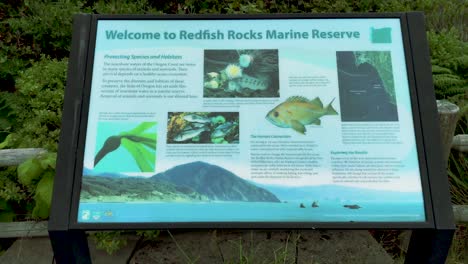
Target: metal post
point(429, 246)
point(70, 247)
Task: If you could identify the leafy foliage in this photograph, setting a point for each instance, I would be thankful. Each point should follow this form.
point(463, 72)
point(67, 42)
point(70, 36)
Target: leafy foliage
point(7, 119)
point(149, 234)
point(43, 195)
point(31, 29)
point(448, 85)
point(124, 7)
point(440, 14)
point(30, 191)
point(110, 241)
point(6, 212)
point(29, 172)
point(450, 74)
point(38, 105)
point(10, 189)
point(37, 174)
point(45, 26)
point(448, 50)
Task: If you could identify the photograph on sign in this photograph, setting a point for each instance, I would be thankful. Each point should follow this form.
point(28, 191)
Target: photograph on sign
point(366, 81)
point(234, 73)
point(268, 120)
point(203, 128)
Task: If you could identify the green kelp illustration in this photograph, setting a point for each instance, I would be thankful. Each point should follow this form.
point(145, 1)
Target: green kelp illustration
point(138, 142)
point(203, 127)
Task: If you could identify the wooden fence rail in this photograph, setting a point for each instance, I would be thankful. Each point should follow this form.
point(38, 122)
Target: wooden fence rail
point(13, 157)
point(448, 116)
point(460, 143)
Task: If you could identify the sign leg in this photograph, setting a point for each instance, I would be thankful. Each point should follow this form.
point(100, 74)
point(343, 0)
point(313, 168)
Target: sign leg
point(429, 246)
point(70, 247)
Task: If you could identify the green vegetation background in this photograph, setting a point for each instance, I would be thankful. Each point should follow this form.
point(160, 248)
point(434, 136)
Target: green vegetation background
point(35, 39)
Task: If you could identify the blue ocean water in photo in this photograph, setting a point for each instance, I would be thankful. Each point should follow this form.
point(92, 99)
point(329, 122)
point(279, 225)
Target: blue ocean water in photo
point(328, 211)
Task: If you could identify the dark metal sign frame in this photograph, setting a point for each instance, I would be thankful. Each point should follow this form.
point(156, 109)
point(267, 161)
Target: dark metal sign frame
point(433, 237)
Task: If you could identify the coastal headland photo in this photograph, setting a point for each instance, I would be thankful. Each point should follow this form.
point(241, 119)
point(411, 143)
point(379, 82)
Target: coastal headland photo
point(201, 191)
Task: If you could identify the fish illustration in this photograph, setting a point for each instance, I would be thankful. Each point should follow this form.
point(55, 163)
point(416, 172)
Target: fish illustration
point(253, 83)
point(196, 118)
point(194, 125)
point(222, 130)
point(190, 133)
point(298, 111)
point(247, 82)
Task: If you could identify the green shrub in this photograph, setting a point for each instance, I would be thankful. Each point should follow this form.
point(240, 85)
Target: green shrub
point(440, 14)
point(37, 175)
point(10, 189)
point(110, 241)
point(6, 212)
point(31, 28)
point(38, 105)
point(449, 57)
point(14, 53)
point(46, 26)
point(124, 7)
point(26, 193)
point(449, 85)
point(7, 119)
point(447, 50)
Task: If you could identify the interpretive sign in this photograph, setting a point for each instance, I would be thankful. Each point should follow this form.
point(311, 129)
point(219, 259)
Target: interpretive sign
point(268, 120)
point(285, 121)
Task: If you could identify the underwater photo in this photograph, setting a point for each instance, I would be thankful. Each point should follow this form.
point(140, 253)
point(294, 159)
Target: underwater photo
point(297, 112)
point(241, 73)
point(365, 80)
point(203, 128)
point(126, 147)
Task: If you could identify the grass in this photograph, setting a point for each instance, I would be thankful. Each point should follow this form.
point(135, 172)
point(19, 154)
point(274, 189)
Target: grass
point(244, 248)
point(459, 251)
point(189, 260)
point(249, 251)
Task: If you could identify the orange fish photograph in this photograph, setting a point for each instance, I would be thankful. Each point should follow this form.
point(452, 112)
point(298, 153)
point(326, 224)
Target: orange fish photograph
point(297, 112)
